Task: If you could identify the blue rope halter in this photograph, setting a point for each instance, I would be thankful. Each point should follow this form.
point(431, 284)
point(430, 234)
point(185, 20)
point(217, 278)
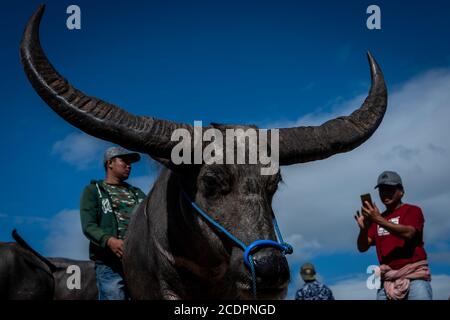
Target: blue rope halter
point(284, 247)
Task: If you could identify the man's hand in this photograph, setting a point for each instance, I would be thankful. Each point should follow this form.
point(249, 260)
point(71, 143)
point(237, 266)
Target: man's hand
point(116, 246)
point(363, 222)
point(371, 212)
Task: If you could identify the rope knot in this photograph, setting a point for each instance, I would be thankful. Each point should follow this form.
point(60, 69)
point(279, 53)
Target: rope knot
point(287, 248)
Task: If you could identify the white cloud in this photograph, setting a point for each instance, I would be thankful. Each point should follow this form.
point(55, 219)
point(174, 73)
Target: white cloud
point(65, 237)
point(304, 249)
point(80, 150)
point(318, 199)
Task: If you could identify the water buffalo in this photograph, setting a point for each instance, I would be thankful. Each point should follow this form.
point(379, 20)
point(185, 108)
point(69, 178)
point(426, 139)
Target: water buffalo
point(171, 251)
point(27, 275)
point(24, 274)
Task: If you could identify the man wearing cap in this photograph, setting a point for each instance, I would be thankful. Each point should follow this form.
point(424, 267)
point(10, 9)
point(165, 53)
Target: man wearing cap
point(312, 289)
point(105, 210)
point(397, 234)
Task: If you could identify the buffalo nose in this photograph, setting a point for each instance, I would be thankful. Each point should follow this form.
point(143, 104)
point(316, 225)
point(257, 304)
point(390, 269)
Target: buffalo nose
point(271, 269)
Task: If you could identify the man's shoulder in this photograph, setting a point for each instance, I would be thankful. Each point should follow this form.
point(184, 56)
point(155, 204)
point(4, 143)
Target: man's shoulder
point(405, 208)
point(325, 287)
point(319, 284)
point(309, 288)
point(92, 186)
point(321, 287)
point(411, 208)
point(90, 194)
point(308, 285)
point(302, 288)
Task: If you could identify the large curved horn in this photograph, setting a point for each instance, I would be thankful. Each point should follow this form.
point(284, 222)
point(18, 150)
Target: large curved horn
point(303, 144)
point(91, 115)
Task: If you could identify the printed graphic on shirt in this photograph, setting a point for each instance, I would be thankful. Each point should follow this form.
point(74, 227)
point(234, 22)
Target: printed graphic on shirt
point(123, 203)
point(382, 231)
point(106, 206)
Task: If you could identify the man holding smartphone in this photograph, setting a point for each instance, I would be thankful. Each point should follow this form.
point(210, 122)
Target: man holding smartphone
point(397, 234)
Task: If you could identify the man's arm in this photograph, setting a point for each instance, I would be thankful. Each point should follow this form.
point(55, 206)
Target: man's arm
point(400, 230)
point(364, 241)
point(88, 214)
point(405, 232)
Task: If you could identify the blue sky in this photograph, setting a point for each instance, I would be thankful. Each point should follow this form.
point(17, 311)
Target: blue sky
point(261, 62)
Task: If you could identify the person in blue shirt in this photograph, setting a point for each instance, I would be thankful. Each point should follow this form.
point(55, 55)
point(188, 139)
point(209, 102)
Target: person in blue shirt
point(312, 289)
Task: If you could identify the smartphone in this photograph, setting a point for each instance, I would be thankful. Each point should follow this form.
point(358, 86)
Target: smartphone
point(366, 197)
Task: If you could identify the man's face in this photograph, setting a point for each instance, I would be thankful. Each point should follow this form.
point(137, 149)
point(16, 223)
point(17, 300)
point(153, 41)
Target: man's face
point(390, 195)
point(120, 167)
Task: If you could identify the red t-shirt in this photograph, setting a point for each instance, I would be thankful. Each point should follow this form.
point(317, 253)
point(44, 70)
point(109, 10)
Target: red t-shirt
point(393, 250)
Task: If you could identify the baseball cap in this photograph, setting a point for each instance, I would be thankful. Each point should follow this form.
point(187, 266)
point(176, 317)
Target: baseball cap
point(390, 178)
point(113, 152)
point(308, 272)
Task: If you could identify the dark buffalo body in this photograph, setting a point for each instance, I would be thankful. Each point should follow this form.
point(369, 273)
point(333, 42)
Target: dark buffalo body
point(26, 275)
point(23, 276)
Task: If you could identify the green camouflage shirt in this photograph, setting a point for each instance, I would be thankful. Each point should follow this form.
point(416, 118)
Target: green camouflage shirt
point(123, 203)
